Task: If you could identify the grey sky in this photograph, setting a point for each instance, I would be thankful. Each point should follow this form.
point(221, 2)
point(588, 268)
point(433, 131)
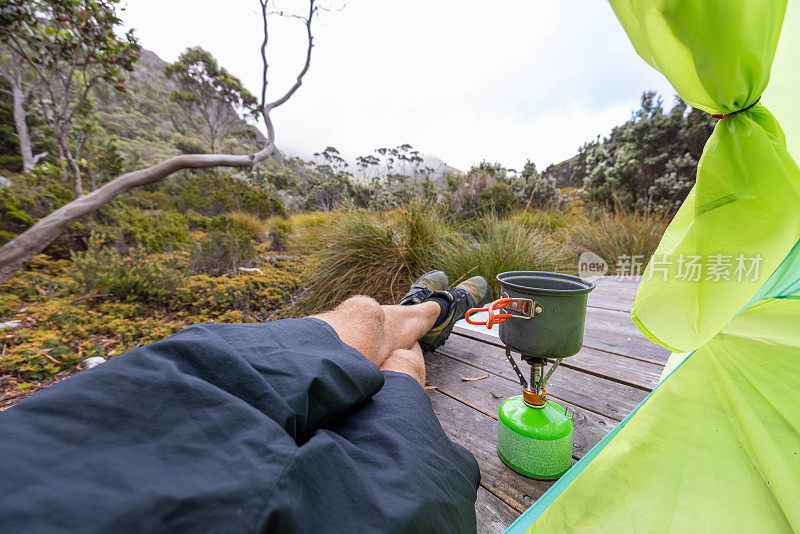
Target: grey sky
point(465, 80)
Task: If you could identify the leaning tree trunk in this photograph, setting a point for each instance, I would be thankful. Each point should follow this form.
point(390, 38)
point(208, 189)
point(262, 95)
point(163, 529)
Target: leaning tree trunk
point(21, 126)
point(73, 165)
point(35, 239)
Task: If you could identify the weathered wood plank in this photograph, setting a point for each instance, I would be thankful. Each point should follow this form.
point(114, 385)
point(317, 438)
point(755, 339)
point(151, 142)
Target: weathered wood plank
point(492, 514)
point(606, 330)
point(613, 298)
point(612, 293)
point(614, 331)
point(489, 393)
point(602, 396)
point(628, 284)
point(469, 428)
point(636, 373)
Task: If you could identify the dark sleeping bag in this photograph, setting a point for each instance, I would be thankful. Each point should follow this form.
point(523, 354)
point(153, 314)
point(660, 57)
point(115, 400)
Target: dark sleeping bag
point(276, 427)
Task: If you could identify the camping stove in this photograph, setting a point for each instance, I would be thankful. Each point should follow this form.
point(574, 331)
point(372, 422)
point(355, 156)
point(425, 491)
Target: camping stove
point(541, 316)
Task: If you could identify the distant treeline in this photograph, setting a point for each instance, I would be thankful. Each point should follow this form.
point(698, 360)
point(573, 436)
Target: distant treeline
point(649, 162)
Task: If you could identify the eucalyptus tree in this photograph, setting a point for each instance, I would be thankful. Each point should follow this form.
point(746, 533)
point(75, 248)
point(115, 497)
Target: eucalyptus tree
point(22, 82)
point(211, 98)
point(367, 164)
point(19, 250)
point(333, 159)
point(70, 45)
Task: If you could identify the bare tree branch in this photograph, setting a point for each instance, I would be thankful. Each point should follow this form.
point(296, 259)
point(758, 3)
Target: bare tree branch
point(264, 4)
point(19, 250)
point(312, 10)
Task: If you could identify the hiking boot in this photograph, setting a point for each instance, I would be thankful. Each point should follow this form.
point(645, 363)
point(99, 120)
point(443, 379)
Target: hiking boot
point(468, 294)
point(424, 286)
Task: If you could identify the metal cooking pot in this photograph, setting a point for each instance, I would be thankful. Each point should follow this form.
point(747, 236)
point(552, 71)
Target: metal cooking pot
point(557, 330)
point(542, 314)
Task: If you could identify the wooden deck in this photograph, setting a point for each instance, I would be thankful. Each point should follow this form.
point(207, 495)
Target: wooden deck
point(614, 371)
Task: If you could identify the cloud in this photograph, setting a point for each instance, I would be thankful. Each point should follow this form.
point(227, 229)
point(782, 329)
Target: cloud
point(505, 81)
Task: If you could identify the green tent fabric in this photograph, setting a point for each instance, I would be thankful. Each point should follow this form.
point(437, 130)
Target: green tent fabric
point(716, 446)
point(781, 95)
point(743, 209)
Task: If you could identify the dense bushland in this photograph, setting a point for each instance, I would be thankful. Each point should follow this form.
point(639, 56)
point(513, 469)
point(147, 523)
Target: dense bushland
point(648, 163)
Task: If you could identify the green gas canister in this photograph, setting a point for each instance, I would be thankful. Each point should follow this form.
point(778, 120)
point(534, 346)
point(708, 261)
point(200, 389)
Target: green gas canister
point(541, 317)
point(535, 441)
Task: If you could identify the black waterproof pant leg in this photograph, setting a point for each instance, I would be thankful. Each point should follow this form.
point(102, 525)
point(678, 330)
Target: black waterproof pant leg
point(277, 427)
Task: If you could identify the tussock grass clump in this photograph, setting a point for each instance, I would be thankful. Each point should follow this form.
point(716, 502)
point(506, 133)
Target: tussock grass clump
point(493, 245)
point(544, 219)
point(374, 255)
point(380, 255)
point(614, 234)
point(299, 233)
point(248, 224)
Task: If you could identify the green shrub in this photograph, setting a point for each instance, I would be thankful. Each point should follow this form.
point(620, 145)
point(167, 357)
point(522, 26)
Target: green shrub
point(137, 277)
point(27, 199)
point(248, 224)
point(230, 244)
point(539, 190)
point(280, 230)
point(110, 161)
point(211, 195)
point(156, 231)
point(499, 199)
point(197, 221)
point(190, 147)
point(148, 200)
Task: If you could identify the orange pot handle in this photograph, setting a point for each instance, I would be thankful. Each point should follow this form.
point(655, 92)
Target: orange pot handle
point(492, 307)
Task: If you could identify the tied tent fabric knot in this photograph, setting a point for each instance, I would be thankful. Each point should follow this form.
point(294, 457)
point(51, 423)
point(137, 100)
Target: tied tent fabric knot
point(721, 429)
point(718, 56)
point(723, 115)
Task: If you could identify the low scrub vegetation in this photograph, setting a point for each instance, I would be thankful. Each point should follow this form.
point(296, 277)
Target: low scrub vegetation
point(203, 248)
point(159, 259)
point(104, 304)
point(148, 264)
